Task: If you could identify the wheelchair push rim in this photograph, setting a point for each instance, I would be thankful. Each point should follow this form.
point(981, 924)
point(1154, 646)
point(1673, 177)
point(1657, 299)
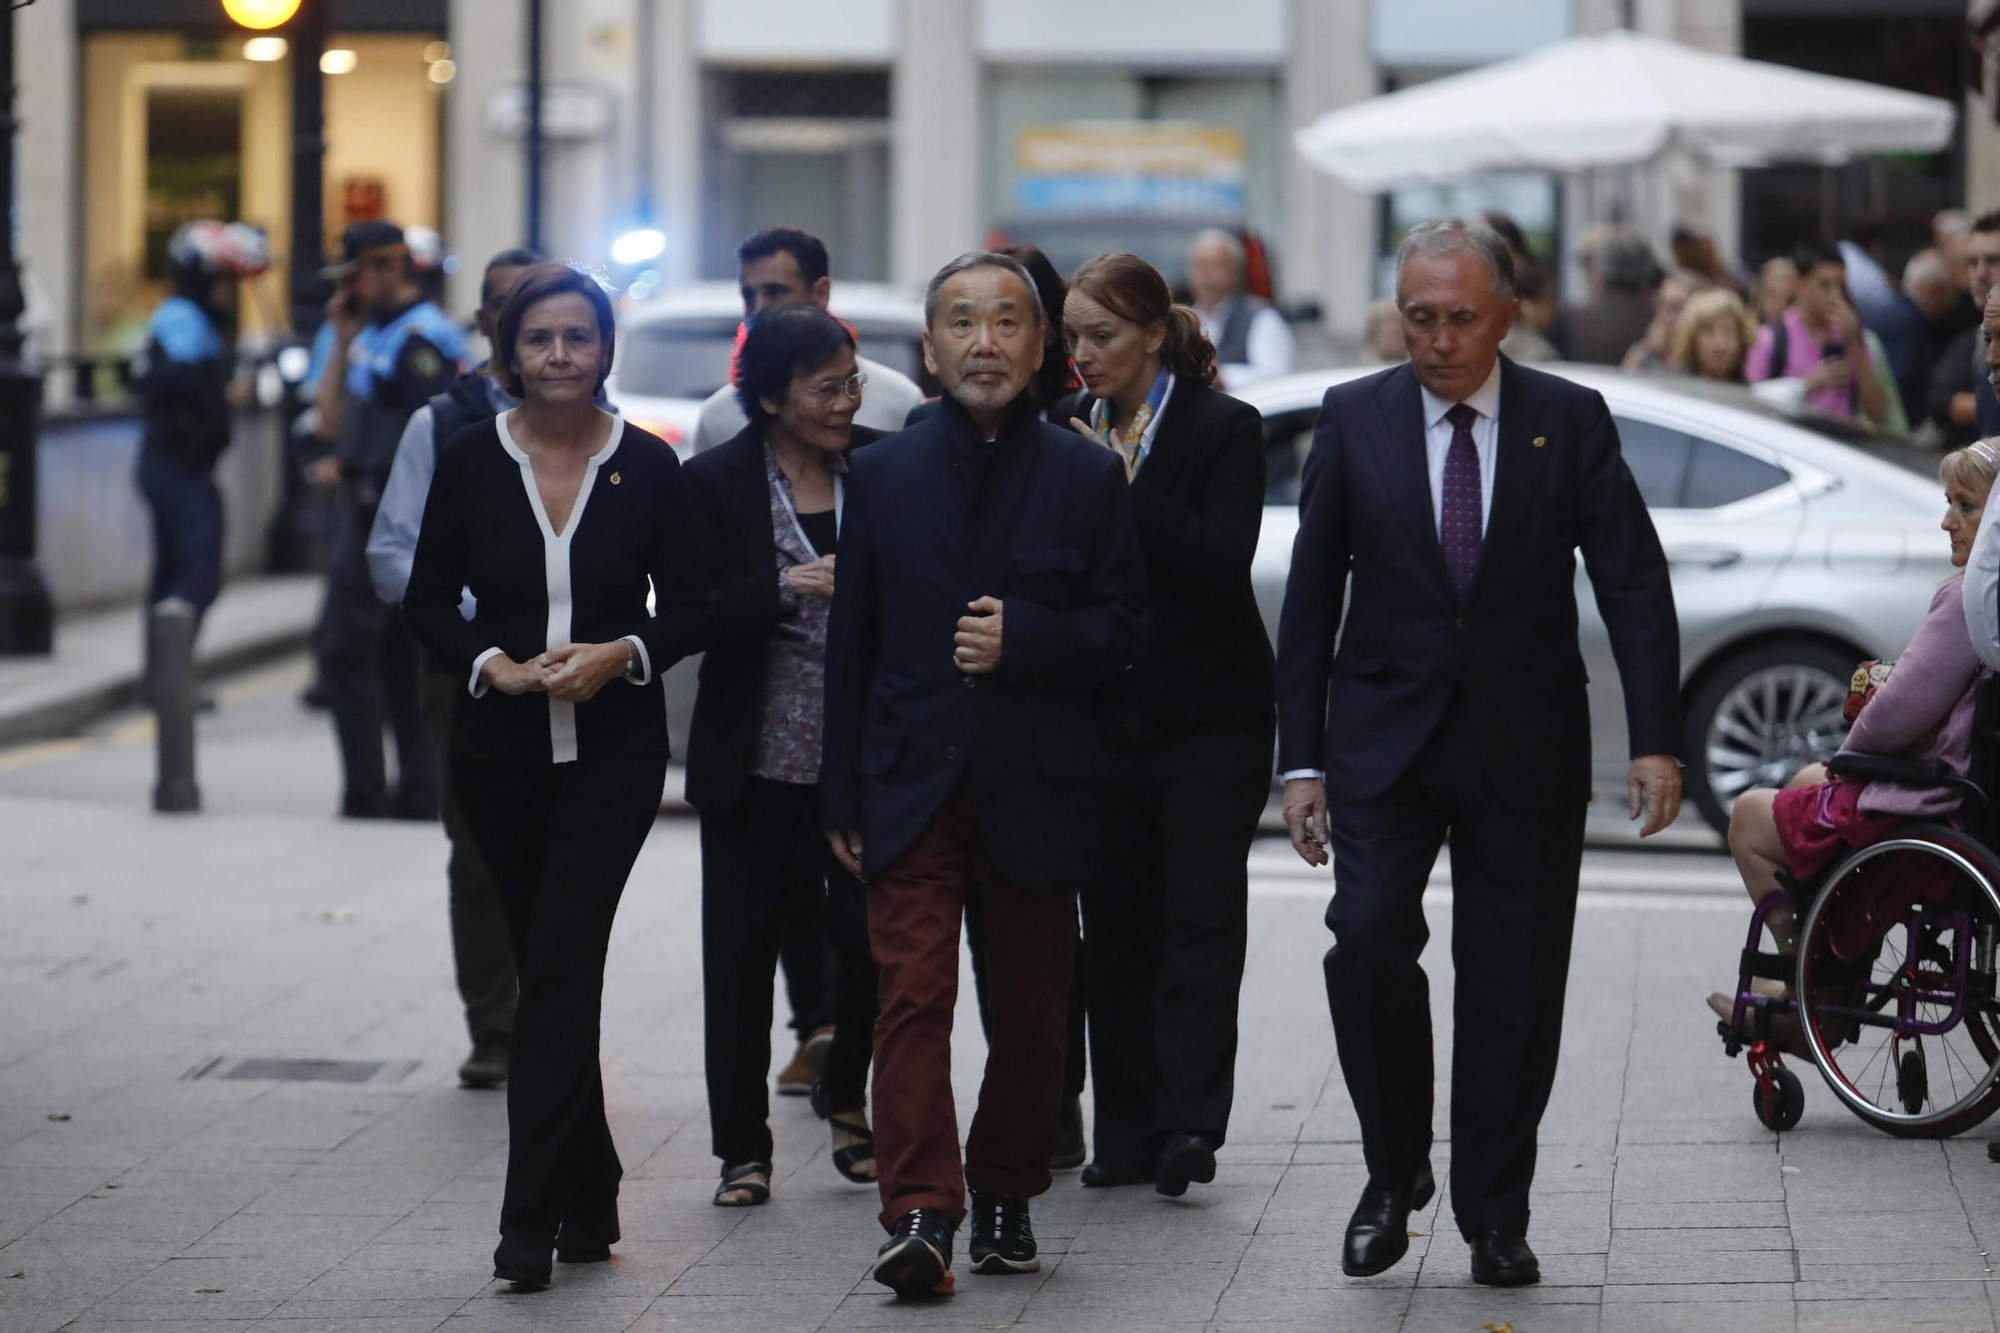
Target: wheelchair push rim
point(1907, 1034)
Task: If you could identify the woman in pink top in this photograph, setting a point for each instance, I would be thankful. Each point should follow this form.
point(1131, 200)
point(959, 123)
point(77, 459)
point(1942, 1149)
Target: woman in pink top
point(1823, 343)
point(1923, 710)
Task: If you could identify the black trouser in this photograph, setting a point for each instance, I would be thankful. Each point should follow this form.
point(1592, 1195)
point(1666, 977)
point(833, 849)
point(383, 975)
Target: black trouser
point(1165, 928)
point(808, 964)
point(560, 840)
point(187, 538)
point(766, 869)
point(483, 958)
point(368, 666)
point(855, 992)
point(1514, 878)
point(975, 945)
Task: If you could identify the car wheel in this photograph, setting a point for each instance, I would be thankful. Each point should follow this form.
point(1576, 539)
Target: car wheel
point(1761, 716)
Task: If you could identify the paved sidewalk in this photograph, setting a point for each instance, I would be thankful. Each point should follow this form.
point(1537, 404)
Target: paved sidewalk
point(143, 1188)
point(98, 655)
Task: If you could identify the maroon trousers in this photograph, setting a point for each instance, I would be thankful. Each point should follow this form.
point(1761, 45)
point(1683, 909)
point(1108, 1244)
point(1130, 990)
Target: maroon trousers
point(914, 910)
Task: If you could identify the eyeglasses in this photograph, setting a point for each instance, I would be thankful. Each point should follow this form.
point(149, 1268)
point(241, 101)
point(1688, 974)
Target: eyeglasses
point(850, 387)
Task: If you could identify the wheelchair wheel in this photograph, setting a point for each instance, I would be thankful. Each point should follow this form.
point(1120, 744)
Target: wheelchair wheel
point(1781, 1102)
point(1896, 982)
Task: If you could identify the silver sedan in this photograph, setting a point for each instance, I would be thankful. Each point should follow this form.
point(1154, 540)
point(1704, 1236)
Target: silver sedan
point(1799, 547)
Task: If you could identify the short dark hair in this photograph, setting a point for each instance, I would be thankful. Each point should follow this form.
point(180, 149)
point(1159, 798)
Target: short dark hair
point(781, 344)
point(1987, 221)
point(1811, 254)
point(803, 246)
point(1531, 282)
point(538, 284)
point(518, 257)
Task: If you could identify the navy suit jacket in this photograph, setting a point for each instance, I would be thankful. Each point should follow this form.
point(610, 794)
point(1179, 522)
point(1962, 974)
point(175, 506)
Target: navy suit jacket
point(1361, 713)
point(1039, 518)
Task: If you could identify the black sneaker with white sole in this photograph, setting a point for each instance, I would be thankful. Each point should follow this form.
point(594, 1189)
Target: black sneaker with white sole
point(916, 1259)
point(1003, 1239)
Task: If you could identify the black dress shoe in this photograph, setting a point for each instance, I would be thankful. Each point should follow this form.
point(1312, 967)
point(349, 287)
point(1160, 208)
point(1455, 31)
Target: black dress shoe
point(1108, 1175)
point(1378, 1235)
point(524, 1260)
point(1503, 1259)
point(1184, 1158)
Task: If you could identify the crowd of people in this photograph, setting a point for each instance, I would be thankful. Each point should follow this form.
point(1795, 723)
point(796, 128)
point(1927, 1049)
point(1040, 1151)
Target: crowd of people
point(1826, 326)
point(990, 668)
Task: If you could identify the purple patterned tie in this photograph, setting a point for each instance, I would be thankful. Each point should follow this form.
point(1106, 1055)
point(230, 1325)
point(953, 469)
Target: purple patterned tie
point(1461, 530)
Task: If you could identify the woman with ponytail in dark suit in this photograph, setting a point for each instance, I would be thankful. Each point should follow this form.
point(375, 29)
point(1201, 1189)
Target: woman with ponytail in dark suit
point(1190, 731)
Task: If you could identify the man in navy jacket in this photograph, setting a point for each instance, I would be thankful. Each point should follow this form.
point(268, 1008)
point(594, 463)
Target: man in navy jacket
point(990, 583)
point(1454, 492)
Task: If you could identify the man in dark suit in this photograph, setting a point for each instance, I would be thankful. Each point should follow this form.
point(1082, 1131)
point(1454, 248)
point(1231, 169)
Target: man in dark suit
point(1454, 491)
point(990, 582)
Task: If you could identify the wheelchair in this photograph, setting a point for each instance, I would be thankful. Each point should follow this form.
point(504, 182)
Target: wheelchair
point(1894, 988)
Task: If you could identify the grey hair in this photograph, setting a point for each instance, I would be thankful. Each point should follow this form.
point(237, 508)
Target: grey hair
point(1450, 236)
point(972, 259)
point(1217, 236)
point(1926, 267)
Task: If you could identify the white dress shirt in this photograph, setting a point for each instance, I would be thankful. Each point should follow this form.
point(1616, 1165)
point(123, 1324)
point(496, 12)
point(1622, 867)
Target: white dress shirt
point(1982, 594)
point(1485, 400)
point(1269, 346)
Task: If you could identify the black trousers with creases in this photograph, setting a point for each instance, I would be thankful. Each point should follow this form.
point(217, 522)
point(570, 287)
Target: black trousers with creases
point(560, 841)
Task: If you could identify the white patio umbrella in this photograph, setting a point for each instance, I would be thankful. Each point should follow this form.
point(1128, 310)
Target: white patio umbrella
point(1615, 100)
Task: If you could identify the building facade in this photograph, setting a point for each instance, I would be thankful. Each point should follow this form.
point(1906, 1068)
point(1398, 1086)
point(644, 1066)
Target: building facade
point(903, 131)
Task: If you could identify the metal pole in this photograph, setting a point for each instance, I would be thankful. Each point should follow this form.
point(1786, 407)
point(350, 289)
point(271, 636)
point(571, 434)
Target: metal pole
point(308, 30)
point(534, 134)
point(287, 546)
point(27, 614)
point(170, 677)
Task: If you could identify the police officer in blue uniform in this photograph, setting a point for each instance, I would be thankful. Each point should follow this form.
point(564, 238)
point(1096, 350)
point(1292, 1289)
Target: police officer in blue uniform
point(408, 351)
point(190, 390)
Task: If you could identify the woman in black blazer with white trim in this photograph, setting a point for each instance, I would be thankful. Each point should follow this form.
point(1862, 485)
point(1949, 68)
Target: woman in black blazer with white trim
point(1190, 732)
point(767, 510)
point(556, 517)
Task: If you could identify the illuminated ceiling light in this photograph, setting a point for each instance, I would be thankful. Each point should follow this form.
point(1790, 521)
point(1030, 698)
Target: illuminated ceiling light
point(437, 51)
point(260, 14)
point(636, 247)
point(443, 71)
point(338, 60)
point(265, 50)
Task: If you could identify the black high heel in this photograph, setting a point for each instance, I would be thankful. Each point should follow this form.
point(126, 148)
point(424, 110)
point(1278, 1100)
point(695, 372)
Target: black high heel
point(854, 1154)
point(524, 1261)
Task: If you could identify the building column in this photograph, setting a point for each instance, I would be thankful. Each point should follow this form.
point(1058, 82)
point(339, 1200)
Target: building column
point(46, 158)
point(1328, 252)
point(934, 138)
point(484, 208)
point(677, 128)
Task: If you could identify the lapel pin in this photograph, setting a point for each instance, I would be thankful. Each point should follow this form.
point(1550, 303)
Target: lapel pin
point(615, 478)
point(1540, 440)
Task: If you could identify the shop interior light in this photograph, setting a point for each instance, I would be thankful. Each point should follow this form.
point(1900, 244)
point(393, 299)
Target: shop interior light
point(265, 50)
point(260, 14)
point(437, 51)
point(443, 71)
point(639, 245)
point(338, 60)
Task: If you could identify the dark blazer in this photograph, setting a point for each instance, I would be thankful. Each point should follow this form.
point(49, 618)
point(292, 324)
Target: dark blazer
point(1039, 518)
point(1365, 510)
point(481, 532)
point(1199, 502)
point(739, 565)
